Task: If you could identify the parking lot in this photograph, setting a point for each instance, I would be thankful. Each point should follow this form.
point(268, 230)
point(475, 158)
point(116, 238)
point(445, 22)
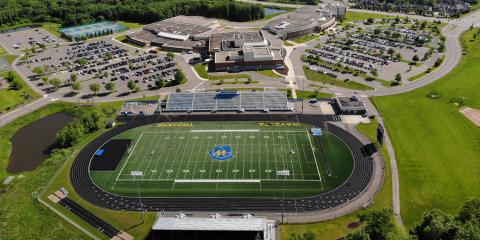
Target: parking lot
point(100, 62)
point(15, 42)
point(378, 52)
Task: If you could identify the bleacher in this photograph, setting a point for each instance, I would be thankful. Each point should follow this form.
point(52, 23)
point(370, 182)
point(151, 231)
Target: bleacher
point(227, 101)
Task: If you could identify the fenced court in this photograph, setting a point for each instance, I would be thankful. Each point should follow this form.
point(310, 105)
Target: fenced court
point(228, 159)
point(94, 29)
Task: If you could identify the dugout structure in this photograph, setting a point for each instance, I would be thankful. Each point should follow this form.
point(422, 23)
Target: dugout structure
point(353, 187)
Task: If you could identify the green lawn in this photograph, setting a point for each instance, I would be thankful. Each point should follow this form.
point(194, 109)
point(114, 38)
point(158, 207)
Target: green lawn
point(22, 216)
point(318, 77)
point(356, 16)
point(437, 148)
point(179, 160)
point(131, 25)
point(11, 98)
point(338, 228)
point(311, 94)
point(269, 73)
point(305, 38)
point(201, 69)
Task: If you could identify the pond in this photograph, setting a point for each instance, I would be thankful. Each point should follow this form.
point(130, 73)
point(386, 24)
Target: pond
point(4, 65)
point(273, 11)
point(31, 144)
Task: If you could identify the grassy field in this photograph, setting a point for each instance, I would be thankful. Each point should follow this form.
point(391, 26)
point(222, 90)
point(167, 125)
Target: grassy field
point(356, 16)
point(317, 77)
point(131, 25)
point(11, 98)
point(173, 158)
point(311, 94)
point(305, 38)
point(202, 71)
point(339, 227)
point(437, 148)
point(269, 73)
point(22, 216)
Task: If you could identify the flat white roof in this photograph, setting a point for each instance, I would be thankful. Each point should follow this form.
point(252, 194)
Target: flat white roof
point(212, 224)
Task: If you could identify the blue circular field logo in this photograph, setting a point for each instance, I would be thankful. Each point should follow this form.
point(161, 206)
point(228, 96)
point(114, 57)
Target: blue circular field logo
point(221, 153)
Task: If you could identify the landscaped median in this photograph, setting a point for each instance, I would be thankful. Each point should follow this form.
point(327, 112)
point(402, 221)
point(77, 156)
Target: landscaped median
point(318, 77)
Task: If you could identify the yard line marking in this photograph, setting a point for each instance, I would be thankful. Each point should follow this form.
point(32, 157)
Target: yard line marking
point(158, 159)
point(144, 156)
point(298, 155)
point(167, 156)
point(290, 157)
point(274, 155)
point(171, 162)
point(192, 151)
point(130, 154)
point(314, 157)
point(217, 180)
point(152, 153)
point(225, 130)
point(198, 157)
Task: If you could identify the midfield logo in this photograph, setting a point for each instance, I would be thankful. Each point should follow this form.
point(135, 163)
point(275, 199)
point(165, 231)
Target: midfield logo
point(221, 153)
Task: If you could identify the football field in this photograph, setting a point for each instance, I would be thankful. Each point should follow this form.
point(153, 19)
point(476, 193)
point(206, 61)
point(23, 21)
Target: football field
point(228, 159)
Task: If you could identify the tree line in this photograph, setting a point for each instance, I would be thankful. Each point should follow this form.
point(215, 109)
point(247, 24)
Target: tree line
point(73, 12)
point(88, 120)
point(436, 224)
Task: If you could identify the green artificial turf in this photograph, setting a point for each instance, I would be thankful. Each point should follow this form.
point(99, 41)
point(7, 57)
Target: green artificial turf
point(437, 148)
point(168, 155)
point(339, 227)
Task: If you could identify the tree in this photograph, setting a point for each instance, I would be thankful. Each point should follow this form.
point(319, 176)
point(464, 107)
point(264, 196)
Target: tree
point(170, 55)
point(10, 76)
point(436, 225)
point(70, 134)
point(110, 86)
point(379, 224)
point(159, 83)
point(374, 72)
point(370, 21)
point(73, 77)
point(415, 58)
point(358, 235)
point(470, 212)
point(94, 87)
point(390, 52)
point(55, 82)
point(178, 90)
point(398, 77)
point(131, 85)
point(38, 70)
point(45, 80)
point(14, 84)
point(76, 87)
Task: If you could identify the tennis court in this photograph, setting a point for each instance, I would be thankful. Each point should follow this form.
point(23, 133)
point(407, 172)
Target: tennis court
point(94, 29)
point(228, 159)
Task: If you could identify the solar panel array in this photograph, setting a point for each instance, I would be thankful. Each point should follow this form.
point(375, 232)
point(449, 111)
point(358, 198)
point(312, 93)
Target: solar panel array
point(227, 101)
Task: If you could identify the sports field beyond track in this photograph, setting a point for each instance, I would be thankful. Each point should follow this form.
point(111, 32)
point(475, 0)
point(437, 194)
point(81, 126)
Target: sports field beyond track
point(265, 159)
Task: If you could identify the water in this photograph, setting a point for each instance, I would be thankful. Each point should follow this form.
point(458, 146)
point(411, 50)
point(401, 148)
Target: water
point(272, 11)
point(4, 65)
point(31, 144)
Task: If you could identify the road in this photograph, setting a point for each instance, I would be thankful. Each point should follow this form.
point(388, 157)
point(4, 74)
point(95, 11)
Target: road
point(296, 78)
